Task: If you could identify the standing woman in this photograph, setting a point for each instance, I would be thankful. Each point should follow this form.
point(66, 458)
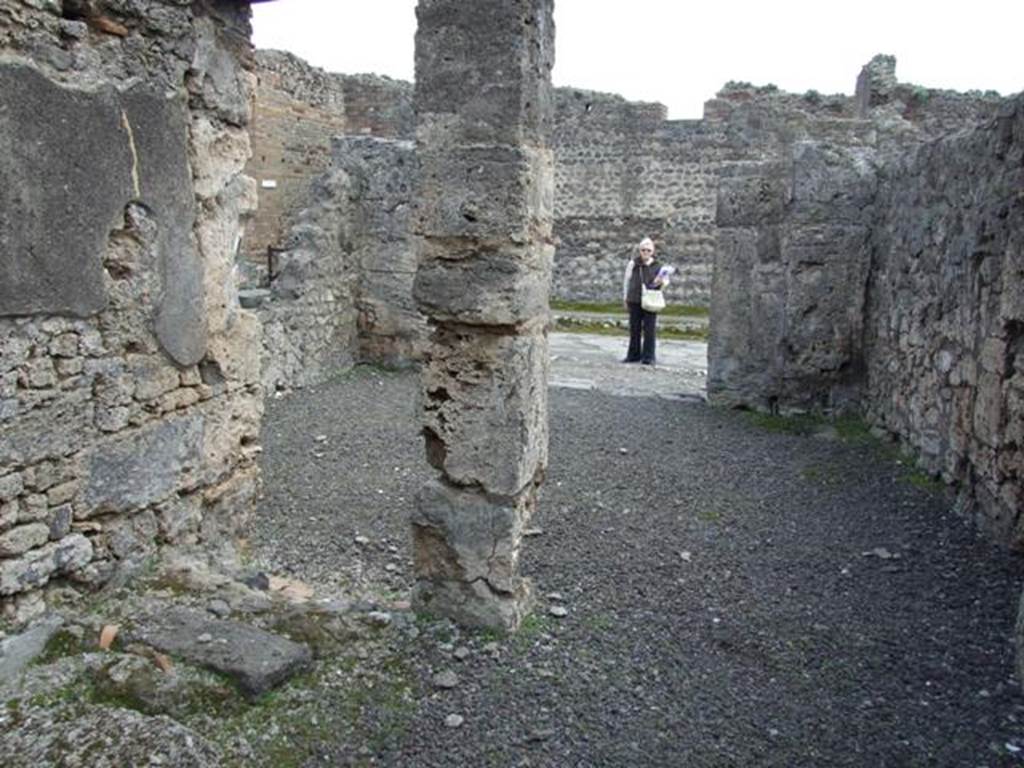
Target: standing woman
point(643, 266)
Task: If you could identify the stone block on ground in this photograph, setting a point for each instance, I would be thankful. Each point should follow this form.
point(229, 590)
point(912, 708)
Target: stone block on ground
point(18, 651)
point(256, 660)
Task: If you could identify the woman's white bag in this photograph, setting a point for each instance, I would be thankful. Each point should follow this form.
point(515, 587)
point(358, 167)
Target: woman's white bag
point(651, 300)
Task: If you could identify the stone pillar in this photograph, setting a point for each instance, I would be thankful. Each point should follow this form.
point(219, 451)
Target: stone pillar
point(484, 196)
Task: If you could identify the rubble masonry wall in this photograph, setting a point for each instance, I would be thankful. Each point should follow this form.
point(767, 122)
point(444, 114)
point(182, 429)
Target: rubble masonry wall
point(944, 335)
point(129, 392)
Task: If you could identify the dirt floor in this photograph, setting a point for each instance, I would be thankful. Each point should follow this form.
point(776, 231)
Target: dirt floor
point(737, 591)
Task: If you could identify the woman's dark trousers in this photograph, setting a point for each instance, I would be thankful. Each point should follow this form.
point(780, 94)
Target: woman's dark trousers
point(641, 335)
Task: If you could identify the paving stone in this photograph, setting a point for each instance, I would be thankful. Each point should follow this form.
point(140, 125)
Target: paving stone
point(257, 660)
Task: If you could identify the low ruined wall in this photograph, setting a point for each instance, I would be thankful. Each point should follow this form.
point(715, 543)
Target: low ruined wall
point(945, 335)
point(308, 312)
point(327, 261)
point(129, 397)
point(341, 291)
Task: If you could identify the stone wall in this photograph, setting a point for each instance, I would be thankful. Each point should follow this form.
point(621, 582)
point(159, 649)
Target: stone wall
point(299, 110)
point(945, 329)
point(308, 311)
point(332, 155)
point(622, 173)
point(788, 294)
point(377, 239)
point(129, 396)
point(341, 292)
point(883, 275)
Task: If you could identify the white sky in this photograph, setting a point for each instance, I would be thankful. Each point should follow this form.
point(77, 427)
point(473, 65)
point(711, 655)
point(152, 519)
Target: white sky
point(680, 53)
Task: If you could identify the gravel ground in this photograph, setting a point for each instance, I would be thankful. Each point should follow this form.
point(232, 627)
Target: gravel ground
point(735, 595)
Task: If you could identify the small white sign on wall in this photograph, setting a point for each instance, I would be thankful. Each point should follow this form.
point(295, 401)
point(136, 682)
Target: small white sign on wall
point(269, 184)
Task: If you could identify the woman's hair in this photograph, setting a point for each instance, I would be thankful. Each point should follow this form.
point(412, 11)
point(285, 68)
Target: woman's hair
point(645, 243)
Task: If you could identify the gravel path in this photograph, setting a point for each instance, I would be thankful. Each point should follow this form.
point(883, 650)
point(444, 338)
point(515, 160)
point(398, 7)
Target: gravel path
point(735, 596)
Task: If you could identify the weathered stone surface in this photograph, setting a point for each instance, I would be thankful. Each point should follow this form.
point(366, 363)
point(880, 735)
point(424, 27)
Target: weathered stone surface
point(474, 604)
point(789, 286)
point(501, 287)
point(18, 651)
point(832, 185)
point(258, 661)
point(47, 268)
point(464, 535)
point(35, 568)
point(101, 142)
point(158, 128)
point(217, 79)
point(11, 486)
point(128, 146)
point(103, 735)
point(485, 408)
point(944, 333)
point(145, 466)
point(485, 192)
point(751, 200)
point(484, 77)
point(59, 522)
point(22, 538)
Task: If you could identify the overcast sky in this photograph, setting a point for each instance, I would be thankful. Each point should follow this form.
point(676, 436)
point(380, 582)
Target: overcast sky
point(681, 53)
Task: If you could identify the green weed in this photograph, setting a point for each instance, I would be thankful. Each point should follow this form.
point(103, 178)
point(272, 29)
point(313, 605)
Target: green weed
point(567, 325)
point(616, 308)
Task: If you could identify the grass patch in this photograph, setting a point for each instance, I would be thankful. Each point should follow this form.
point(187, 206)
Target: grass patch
point(616, 308)
point(61, 645)
point(709, 516)
point(851, 430)
point(533, 627)
point(825, 474)
point(611, 329)
point(803, 424)
point(599, 622)
point(342, 701)
point(924, 481)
